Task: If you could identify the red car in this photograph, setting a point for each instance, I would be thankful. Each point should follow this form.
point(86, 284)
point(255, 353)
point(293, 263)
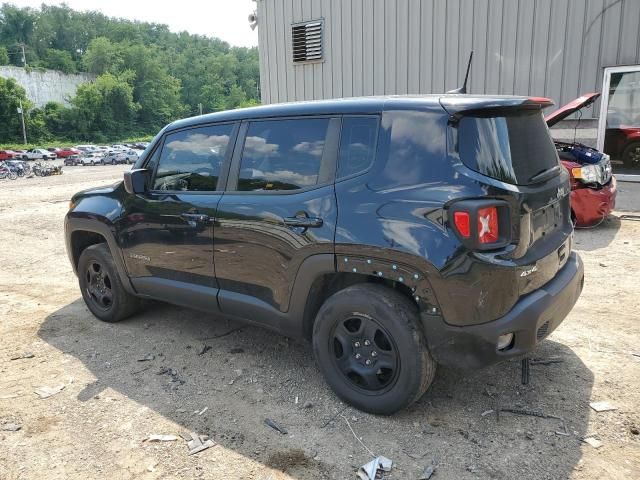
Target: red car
point(593, 187)
point(622, 140)
point(7, 154)
point(67, 152)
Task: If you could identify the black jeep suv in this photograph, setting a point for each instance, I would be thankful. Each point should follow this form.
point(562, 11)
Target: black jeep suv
point(394, 233)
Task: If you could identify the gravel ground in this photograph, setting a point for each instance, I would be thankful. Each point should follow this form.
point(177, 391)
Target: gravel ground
point(223, 379)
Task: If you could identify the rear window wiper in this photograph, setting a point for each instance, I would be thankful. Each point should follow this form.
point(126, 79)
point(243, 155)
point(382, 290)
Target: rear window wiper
point(545, 174)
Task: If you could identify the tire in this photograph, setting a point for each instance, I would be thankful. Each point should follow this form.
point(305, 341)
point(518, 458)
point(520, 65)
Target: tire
point(24, 157)
point(631, 155)
point(101, 288)
point(113, 162)
point(382, 327)
point(13, 176)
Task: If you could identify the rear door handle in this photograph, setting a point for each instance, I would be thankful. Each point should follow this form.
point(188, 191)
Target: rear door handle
point(304, 222)
point(195, 217)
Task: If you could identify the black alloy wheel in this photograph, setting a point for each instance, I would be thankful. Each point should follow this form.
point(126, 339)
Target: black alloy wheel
point(101, 287)
point(369, 343)
point(365, 353)
point(98, 285)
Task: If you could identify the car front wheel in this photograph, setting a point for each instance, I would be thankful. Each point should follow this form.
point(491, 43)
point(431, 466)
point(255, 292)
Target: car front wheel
point(369, 345)
point(100, 285)
point(631, 155)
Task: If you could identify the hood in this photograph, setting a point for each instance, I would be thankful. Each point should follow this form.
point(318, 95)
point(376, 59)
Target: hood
point(571, 107)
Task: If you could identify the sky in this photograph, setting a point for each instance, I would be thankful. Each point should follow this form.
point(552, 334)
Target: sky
point(225, 19)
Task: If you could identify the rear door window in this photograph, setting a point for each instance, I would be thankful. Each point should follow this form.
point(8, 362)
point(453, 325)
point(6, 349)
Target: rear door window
point(283, 154)
point(191, 159)
point(513, 148)
point(357, 145)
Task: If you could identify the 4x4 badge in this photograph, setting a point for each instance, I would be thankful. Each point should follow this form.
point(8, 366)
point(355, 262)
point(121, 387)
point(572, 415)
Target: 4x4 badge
point(137, 256)
point(529, 271)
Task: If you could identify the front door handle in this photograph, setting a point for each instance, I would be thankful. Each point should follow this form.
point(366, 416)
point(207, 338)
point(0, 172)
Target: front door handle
point(195, 217)
point(304, 222)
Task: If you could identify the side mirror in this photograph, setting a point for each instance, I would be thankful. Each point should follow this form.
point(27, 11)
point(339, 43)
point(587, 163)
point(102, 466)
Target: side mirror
point(135, 180)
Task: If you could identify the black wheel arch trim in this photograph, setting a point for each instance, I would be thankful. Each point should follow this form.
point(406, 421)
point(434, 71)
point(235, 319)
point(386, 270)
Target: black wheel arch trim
point(76, 224)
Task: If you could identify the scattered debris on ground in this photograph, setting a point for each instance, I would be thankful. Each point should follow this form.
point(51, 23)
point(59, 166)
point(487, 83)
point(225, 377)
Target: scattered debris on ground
point(371, 470)
point(204, 349)
point(173, 373)
point(428, 471)
point(270, 423)
point(46, 392)
point(202, 411)
point(602, 406)
point(10, 427)
point(160, 438)
point(23, 356)
point(147, 358)
point(593, 442)
point(199, 443)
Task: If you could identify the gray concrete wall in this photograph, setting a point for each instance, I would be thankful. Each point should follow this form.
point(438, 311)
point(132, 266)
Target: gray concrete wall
point(44, 86)
point(551, 48)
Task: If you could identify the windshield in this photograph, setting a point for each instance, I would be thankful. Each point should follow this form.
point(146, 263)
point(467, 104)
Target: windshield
point(514, 148)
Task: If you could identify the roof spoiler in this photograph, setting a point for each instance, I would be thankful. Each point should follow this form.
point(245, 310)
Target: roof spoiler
point(459, 106)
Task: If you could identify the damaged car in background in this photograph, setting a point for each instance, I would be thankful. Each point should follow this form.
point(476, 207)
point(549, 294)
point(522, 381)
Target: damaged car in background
point(593, 187)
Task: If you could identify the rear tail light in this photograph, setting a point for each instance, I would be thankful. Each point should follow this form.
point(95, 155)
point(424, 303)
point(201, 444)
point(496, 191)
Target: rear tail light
point(488, 230)
point(463, 223)
point(482, 224)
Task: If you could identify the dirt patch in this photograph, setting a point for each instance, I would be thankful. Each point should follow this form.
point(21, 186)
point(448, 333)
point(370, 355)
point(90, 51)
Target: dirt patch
point(95, 426)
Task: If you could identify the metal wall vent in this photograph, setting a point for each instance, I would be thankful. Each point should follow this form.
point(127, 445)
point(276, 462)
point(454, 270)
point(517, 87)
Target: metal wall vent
point(306, 40)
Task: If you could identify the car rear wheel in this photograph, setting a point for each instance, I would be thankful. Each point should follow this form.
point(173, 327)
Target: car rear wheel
point(631, 155)
point(369, 345)
point(101, 288)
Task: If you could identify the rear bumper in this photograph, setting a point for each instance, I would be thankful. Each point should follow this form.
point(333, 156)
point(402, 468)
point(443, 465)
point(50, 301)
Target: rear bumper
point(590, 206)
point(531, 320)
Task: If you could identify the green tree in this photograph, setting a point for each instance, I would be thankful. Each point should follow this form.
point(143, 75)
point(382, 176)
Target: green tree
point(11, 94)
point(104, 108)
point(169, 74)
point(157, 92)
point(102, 56)
point(59, 60)
point(4, 56)
point(57, 119)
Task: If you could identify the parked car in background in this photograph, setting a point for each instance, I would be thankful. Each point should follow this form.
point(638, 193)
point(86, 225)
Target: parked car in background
point(622, 139)
point(91, 159)
point(114, 158)
point(67, 152)
point(72, 160)
point(7, 154)
point(38, 154)
point(593, 187)
point(118, 147)
point(132, 156)
point(393, 233)
point(86, 148)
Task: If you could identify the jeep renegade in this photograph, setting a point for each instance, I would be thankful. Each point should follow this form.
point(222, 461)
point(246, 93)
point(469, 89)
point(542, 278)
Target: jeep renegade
point(394, 233)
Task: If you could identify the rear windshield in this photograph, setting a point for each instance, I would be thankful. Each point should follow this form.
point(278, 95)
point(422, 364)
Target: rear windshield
point(513, 148)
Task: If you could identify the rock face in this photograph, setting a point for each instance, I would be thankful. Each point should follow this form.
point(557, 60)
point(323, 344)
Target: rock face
point(44, 86)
